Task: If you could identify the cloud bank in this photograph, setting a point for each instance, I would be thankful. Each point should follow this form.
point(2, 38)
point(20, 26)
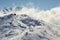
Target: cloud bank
point(52, 15)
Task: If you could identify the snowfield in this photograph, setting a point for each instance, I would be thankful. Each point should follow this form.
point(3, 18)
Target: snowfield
point(22, 23)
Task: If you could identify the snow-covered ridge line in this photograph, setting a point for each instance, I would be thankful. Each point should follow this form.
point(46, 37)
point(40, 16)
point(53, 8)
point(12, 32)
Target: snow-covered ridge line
point(30, 24)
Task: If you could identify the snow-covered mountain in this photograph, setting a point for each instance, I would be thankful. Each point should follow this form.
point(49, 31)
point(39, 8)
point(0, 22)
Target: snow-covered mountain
point(19, 25)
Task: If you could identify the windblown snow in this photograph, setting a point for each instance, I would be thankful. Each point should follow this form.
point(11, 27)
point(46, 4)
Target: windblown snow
point(22, 23)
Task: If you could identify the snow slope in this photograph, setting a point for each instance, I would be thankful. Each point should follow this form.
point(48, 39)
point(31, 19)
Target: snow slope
point(30, 24)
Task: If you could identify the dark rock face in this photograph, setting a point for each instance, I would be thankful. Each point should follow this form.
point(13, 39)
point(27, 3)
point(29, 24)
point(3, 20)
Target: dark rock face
point(28, 21)
point(31, 22)
point(7, 17)
point(19, 25)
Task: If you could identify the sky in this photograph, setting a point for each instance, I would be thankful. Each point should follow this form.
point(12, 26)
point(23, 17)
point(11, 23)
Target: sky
point(42, 4)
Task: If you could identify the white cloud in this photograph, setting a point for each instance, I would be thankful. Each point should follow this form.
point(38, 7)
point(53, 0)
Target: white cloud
point(52, 15)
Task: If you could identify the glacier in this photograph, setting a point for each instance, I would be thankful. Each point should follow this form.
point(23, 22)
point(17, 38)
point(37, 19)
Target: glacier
point(23, 23)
